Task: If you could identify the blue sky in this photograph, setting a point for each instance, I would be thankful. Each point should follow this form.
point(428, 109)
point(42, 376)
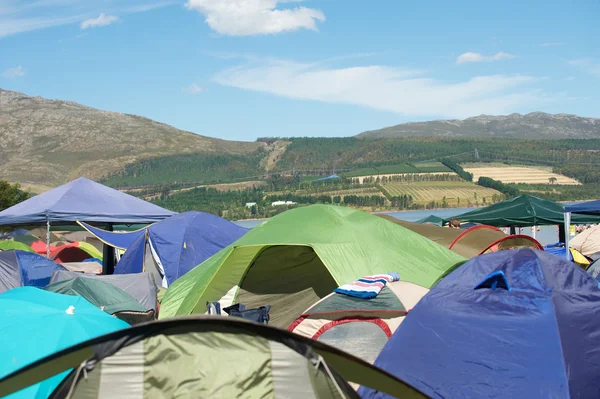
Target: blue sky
point(240, 69)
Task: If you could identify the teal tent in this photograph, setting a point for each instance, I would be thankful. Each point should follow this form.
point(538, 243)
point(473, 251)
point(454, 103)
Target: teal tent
point(99, 293)
point(37, 323)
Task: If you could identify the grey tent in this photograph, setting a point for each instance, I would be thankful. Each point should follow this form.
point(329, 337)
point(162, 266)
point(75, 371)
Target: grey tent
point(205, 357)
point(139, 286)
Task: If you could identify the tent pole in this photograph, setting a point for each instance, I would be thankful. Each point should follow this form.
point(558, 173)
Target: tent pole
point(48, 238)
point(513, 230)
point(567, 228)
point(534, 232)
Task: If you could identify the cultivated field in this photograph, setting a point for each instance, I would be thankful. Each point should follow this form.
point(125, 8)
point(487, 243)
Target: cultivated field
point(361, 192)
point(361, 179)
point(455, 193)
point(517, 174)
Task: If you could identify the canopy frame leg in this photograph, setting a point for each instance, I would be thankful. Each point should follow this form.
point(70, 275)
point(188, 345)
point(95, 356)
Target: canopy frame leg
point(48, 238)
point(567, 228)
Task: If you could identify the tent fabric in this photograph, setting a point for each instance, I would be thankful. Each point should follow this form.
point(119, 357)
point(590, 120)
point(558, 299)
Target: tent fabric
point(587, 242)
point(103, 295)
point(523, 211)
point(139, 286)
point(574, 255)
point(359, 326)
point(8, 245)
point(470, 242)
point(180, 243)
point(19, 268)
point(212, 357)
point(83, 200)
point(336, 243)
point(121, 240)
point(536, 338)
point(37, 323)
point(27, 239)
point(431, 219)
point(69, 254)
point(594, 269)
point(589, 208)
point(17, 232)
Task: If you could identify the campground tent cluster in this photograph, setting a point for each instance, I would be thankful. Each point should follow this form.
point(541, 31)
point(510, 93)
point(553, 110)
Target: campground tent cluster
point(296, 258)
point(350, 288)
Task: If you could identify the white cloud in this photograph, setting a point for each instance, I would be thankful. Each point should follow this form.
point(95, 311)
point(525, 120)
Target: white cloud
point(588, 65)
point(194, 88)
point(255, 17)
point(550, 44)
point(12, 73)
point(478, 57)
point(17, 16)
point(101, 20)
point(402, 91)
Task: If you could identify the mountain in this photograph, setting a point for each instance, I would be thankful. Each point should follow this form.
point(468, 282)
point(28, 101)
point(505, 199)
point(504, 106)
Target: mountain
point(536, 125)
point(44, 142)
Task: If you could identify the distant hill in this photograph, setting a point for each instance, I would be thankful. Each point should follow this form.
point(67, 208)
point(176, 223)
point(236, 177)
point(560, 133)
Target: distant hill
point(536, 125)
point(44, 142)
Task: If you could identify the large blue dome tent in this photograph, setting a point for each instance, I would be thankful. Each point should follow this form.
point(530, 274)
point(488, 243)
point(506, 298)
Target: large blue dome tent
point(508, 324)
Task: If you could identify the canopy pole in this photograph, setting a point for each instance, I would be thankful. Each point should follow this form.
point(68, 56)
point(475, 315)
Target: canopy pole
point(513, 230)
point(48, 238)
point(108, 256)
point(534, 232)
point(567, 228)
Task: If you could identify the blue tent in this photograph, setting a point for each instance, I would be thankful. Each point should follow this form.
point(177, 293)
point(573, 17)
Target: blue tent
point(83, 200)
point(511, 324)
point(114, 238)
point(18, 268)
point(17, 233)
point(590, 208)
point(179, 243)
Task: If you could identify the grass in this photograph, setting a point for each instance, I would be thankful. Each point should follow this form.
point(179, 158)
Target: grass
point(455, 193)
point(432, 167)
point(361, 172)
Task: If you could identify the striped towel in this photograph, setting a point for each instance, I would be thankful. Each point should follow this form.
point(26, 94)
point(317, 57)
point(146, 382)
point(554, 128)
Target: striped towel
point(367, 287)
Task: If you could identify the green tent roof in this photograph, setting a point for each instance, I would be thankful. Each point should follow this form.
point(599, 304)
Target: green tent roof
point(8, 245)
point(431, 219)
point(101, 294)
point(522, 211)
point(349, 243)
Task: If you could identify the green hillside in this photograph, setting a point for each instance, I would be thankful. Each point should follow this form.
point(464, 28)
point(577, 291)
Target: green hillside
point(188, 168)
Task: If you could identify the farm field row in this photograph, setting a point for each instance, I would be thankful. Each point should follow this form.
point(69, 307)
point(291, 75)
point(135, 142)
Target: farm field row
point(520, 174)
point(359, 191)
point(453, 192)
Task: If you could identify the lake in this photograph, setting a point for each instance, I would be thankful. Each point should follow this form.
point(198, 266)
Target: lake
point(546, 235)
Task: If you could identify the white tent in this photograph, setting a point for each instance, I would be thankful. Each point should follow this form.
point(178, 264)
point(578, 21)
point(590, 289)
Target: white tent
point(587, 242)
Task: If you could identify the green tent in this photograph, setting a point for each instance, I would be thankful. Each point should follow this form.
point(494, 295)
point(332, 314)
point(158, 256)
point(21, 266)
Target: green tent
point(8, 245)
point(26, 239)
point(101, 294)
point(206, 357)
point(523, 211)
point(431, 219)
point(300, 256)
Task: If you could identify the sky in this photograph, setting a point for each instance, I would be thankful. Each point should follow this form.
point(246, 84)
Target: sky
point(242, 69)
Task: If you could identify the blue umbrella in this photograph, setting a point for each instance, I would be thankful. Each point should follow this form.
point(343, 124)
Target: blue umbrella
point(35, 323)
